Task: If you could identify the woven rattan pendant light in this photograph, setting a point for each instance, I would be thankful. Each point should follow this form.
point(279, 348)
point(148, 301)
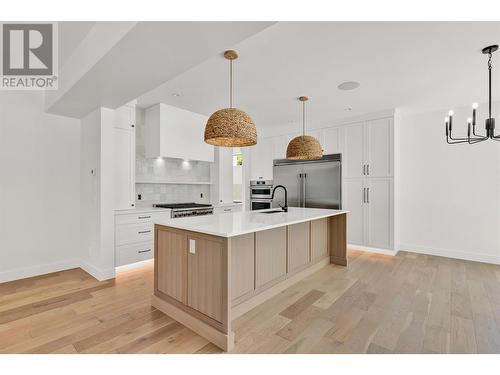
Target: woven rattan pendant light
point(230, 127)
point(304, 147)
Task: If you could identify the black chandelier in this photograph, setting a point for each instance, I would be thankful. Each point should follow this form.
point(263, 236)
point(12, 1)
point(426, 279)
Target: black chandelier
point(490, 121)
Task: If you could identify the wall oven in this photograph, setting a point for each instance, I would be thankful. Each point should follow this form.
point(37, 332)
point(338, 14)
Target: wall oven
point(260, 194)
point(260, 204)
point(261, 189)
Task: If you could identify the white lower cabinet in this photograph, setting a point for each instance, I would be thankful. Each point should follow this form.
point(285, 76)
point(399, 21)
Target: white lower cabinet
point(133, 253)
point(134, 236)
point(370, 218)
point(353, 201)
point(379, 213)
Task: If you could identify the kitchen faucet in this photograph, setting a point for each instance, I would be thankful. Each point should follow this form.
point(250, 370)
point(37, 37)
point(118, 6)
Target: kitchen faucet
point(285, 207)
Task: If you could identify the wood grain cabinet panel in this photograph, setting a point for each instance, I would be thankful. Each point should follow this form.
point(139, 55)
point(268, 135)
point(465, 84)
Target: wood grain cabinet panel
point(319, 238)
point(242, 265)
point(205, 276)
point(270, 255)
point(172, 261)
point(298, 246)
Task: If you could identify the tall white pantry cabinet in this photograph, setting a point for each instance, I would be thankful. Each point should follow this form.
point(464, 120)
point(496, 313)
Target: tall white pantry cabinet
point(367, 149)
point(368, 183)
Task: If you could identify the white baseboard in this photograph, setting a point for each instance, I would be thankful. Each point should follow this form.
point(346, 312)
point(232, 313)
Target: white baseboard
point(42, 269)
point(476, 257)
point(99, 274)
point(372, 249)
point(133, 266)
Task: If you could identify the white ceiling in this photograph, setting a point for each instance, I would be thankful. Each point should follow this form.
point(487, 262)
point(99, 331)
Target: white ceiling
point(146, 55)
point(410, 65)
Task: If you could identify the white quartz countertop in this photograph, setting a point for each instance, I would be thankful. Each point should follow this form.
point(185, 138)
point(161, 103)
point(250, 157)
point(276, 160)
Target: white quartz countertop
point(237, 223)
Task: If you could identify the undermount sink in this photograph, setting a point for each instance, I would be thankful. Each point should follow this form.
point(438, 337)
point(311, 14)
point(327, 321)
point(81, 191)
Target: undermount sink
point(271, 212)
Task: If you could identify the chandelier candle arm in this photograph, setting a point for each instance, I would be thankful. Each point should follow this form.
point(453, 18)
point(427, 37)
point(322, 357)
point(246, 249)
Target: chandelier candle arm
point(472, 136)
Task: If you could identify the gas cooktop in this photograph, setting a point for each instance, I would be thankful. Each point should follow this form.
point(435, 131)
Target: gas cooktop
point(182, 205)
point(187, 209)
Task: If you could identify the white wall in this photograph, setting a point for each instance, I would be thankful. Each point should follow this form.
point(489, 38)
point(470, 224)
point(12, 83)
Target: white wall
point(97, 194)
point(39, 188)
point(449, 194)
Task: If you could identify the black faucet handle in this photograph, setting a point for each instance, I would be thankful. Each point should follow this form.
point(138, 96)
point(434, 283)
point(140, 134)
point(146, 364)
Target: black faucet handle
point(284, 208)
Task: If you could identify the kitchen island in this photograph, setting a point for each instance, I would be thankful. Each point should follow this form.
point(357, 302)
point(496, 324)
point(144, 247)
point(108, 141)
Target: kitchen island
point(212, 269)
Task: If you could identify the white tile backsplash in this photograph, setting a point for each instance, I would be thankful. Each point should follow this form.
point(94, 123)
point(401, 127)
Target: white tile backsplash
point(173, 193)
point(169, 169)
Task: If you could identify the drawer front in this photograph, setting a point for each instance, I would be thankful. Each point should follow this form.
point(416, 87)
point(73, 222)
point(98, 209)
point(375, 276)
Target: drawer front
point(131, 233)
point(133, 218)
point(128, 254)
point(141, 218)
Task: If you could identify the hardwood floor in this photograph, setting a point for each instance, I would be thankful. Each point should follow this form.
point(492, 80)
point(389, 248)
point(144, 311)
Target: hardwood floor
point(410, 303)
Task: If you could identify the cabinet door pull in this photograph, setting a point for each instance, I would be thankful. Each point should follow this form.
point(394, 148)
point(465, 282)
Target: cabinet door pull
point(367, 169)
point(367, 195)
point(364, 169)
point(144, 231)
point(144, 251)
point(144, 217)
point(364, 195)
point(227, 209)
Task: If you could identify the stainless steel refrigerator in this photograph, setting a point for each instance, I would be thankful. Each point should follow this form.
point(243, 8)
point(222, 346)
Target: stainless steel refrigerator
point(315, 184)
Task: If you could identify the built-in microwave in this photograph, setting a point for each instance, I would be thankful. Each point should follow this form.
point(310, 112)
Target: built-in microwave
point(261, 189)
point(260, 204)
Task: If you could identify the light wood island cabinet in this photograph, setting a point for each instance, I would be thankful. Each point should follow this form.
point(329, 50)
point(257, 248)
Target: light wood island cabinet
point(204, 281)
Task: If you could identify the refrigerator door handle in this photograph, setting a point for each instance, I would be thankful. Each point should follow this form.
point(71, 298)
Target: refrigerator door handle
point(300, 189)
point(305, 185)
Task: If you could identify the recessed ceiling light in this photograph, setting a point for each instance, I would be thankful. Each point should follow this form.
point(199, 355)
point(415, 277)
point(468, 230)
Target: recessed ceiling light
point(176, 94)
point(349, 85)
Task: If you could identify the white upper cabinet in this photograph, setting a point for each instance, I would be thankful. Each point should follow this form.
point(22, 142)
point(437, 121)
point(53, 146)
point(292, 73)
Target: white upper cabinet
point(331, 141)
point(354, 151)
point(368, 149)
point(261, 159)
point(379, 148)
point(176, 133)
point(125, 117)
point(124, 157)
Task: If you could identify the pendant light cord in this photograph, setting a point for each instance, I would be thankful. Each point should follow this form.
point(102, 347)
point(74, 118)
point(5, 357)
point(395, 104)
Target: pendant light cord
point(230, 83)
point(489, 84)
point(303, 118)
